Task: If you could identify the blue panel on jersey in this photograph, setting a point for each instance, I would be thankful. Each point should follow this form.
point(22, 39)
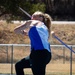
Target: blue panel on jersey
point(36, 42)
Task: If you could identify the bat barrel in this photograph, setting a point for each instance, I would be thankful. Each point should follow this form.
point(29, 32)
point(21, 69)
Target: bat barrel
point(64, 44)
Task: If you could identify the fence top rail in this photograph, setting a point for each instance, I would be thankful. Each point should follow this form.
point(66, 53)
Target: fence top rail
point(14, 44)
point(30, 45)
point(64, 22)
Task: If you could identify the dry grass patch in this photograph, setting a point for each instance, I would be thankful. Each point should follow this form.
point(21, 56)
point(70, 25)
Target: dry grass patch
point(64, 31)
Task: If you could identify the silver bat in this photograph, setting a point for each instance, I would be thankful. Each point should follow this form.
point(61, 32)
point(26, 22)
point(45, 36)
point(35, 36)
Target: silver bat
point(25, 12)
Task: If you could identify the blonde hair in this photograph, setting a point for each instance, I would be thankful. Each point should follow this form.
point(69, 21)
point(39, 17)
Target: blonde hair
point(46, 19)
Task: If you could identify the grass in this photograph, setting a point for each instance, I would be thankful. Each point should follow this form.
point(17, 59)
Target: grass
point(65, 32)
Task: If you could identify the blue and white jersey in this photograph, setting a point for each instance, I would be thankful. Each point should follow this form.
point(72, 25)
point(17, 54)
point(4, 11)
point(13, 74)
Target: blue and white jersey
point(39, 37)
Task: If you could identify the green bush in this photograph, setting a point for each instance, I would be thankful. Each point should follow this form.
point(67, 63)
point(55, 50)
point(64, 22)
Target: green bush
point(38, 7)
point(31, 8)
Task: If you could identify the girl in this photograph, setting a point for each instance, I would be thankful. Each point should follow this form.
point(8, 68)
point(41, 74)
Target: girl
point(38, 30)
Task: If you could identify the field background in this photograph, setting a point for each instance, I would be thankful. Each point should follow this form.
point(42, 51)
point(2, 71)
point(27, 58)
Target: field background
point(66, 32)
point(59, 65)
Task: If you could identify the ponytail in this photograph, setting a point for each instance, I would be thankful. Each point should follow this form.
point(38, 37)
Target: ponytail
point(47, 21)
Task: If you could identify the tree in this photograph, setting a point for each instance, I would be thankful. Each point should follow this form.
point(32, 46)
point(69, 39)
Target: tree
point(52, 7)
point(12, 7)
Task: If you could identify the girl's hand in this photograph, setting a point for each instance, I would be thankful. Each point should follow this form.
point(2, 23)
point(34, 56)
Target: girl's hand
point(52, 33)
point(24, 32)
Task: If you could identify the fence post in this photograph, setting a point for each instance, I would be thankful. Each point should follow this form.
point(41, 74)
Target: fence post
point(7, 53)
point(12, 60)
point(63, 55)
point(71, 62)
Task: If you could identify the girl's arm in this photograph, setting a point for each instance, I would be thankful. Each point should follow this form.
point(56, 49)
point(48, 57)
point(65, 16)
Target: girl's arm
point(22, 29)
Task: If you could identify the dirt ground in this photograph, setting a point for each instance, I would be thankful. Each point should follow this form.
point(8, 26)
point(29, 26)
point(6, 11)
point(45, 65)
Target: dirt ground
point(52, 69)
